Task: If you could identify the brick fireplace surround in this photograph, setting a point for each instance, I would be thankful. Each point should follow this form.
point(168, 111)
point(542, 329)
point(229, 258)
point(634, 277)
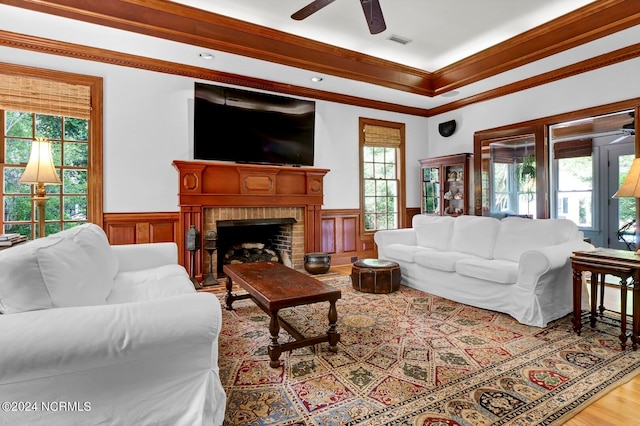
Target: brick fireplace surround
point(213, 191)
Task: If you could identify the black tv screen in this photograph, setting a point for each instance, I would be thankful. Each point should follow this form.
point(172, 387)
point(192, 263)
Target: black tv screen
point(251, 127)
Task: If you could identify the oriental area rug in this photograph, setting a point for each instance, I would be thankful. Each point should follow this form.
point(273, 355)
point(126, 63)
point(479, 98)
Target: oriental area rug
point(410, 358)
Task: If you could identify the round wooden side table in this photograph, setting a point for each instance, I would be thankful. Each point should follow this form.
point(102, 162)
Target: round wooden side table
point(375, 276)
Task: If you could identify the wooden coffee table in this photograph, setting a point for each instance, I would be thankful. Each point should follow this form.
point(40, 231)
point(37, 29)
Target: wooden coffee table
point(273, 286)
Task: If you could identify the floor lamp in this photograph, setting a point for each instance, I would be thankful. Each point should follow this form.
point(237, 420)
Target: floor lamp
point(40, 171)
point(631, 188)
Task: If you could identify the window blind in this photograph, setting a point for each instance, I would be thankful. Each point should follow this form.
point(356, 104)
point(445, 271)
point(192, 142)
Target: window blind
point(382, 136)
point(571, 149)
point(40, 96)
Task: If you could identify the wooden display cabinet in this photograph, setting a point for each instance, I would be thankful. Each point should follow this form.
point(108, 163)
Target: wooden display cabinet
point(446, 185)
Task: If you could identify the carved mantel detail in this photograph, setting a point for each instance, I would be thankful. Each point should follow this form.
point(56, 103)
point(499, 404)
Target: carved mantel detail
point(205, 184)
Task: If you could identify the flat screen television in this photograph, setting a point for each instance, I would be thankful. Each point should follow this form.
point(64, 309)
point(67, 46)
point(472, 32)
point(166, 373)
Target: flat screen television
point(251, 127)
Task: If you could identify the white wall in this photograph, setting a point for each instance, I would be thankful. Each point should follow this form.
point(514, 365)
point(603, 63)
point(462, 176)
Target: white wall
point(599, 87)
point(337, 142)
point(148, 123)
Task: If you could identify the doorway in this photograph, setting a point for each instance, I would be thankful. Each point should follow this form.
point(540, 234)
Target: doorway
point(621, 217)
point(589, 159)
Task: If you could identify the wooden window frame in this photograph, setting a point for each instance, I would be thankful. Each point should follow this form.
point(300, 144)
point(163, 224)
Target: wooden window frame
point(400, 170)
point(95, 152)
point(540, 126)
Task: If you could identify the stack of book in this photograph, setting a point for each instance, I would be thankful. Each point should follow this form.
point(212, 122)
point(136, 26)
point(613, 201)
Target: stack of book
point(7, 240)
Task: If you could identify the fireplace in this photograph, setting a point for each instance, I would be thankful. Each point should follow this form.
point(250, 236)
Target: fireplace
point(281, 228)
point(212, 192)
point(254, 240)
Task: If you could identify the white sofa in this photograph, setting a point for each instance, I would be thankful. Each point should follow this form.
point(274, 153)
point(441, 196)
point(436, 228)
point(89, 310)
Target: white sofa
point(112, 335)
point(517, 266)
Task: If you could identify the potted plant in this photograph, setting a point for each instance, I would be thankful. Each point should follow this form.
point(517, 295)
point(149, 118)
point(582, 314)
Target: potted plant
point(526, 171)
point(526, 177)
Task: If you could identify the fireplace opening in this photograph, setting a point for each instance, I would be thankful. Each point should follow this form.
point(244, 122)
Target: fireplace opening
point(254, 240)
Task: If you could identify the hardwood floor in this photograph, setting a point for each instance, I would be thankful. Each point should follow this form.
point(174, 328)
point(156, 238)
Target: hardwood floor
point(619, 407)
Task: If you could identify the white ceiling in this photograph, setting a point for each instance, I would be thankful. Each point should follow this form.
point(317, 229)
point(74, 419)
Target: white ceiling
point(442, 31)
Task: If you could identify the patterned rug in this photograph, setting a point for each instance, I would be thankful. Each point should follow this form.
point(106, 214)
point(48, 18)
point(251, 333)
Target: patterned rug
point(409, 358)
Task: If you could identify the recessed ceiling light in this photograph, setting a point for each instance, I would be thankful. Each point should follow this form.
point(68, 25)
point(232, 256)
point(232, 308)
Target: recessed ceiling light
point(316, 79)
point(450, 94)
point(206, 55)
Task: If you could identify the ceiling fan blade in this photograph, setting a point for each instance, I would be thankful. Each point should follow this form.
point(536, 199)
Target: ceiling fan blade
point(310, 9)
point(620, 138)
point(373, 13)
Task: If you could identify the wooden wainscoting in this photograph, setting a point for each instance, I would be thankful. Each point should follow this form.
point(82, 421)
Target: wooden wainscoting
point(409, 214)
point(138, 228)
point(341, 237)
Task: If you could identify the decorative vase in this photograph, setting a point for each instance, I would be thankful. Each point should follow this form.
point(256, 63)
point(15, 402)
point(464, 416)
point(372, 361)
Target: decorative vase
point(317, 263)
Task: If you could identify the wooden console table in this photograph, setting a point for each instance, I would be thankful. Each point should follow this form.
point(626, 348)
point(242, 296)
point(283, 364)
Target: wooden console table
point(273, 286)
point(600, 262)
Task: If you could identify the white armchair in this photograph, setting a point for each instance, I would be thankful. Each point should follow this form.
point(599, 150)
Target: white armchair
point(142, 351)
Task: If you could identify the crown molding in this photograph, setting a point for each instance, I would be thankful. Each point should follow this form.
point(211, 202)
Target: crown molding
point(184, 24)
point(604, 60)
point(589, 23)
point(38, 44)
point(173, 21)
point(43, 45)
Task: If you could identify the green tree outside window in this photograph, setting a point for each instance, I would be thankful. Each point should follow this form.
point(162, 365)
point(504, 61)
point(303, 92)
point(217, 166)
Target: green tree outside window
point(67, 204)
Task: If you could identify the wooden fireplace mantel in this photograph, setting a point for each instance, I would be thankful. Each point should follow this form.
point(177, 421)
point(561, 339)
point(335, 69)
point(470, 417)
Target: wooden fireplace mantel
point(205, 184)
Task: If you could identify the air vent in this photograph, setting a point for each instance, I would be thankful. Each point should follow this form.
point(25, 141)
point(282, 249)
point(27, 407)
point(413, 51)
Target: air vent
point(398, 39)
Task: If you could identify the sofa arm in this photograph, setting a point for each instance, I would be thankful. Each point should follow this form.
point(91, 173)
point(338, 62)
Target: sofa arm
point(135, 257)
point(60, 341)
point(536, 262)
point(395, 236)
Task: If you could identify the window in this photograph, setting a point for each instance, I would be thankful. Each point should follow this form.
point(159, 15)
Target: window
point(56, 106)
point(575, 190)
point(508, 176)
point(67, 204)
point(381, 156)
point(580, 159)
point(572, 155)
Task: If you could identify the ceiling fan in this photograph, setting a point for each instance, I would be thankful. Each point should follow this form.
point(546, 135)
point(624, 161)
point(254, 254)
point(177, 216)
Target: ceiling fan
point(371, 8)
point(627, 130)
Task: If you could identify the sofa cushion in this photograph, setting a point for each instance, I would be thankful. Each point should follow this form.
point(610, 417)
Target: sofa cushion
point(517, 235)
point(441, 260)
point(69, 275)
point(94, 242)
point(22, 287)
point(403, 252)
point(498, 271)
point(433, 231)
point(475, 235)
point(147, 284)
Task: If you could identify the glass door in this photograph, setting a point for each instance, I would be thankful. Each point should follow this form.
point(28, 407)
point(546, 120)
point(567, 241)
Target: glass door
point(622, 211)
point(589, 159)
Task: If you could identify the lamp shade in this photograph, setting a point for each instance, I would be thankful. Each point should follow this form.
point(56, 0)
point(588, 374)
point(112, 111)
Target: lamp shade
point(40, 168)
point(631, 185)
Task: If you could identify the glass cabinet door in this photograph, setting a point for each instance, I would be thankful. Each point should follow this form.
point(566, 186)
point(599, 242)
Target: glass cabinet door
point(445, 184)
point(454, 196)
point(431, 190)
